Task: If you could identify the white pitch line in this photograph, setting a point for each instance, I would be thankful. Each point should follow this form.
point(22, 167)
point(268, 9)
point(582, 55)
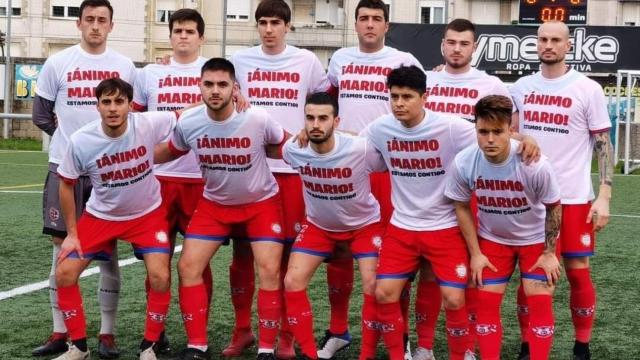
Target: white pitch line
point(20, 191)
point(29, 288)
point(626, 216)
point(17, 164)
point(19, 151)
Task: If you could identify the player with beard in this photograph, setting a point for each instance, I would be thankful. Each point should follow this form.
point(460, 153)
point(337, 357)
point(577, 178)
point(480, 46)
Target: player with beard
point(566, 112)
point(340, 209)
point(454, 90)
point(65, 102)
point(239, 191)
point(116, 153)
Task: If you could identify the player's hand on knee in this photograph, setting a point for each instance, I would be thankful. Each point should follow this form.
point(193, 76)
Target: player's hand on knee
point(70, 244)
point(478, 263)
point(549, 263)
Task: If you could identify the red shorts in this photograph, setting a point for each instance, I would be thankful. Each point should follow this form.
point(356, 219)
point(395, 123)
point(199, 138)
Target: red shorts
point(381, 190)
point(147, 234)
point(262, 221)
point(363, 242)
point(576, 235)
point(504, 258)
point(445, 249)
point(180, 199)
point(293, 215)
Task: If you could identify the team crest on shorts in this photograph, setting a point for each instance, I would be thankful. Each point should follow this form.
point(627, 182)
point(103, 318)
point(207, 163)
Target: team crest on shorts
point(276, 228)
point(586, 240)
point(54, 214)
point(461, 271)
point(377, 241)
point(162, 237)
point(297, 227)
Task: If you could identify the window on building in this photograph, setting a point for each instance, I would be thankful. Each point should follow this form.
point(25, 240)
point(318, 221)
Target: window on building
point(61, 10)
point(238, 10)
point(16, 8)
point(432, 12)
point(164, 9)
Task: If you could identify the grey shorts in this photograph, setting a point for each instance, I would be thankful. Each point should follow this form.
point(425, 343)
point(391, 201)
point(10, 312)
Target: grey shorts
point(53, 223)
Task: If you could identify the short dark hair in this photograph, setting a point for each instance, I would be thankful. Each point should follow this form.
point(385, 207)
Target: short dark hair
point(460, 25)
point(96, 3)
point(219, 64)
point(323, 98)
point(373, 4)
point(187, 15)
point(496, 108)
point(114, 86)
point(408, 76)
point(273, 8)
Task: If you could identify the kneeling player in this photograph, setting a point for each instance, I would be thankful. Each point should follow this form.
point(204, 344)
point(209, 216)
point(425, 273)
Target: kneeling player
point(518, 220)
point(117, 155)
point(239, 192)
point(339, 206)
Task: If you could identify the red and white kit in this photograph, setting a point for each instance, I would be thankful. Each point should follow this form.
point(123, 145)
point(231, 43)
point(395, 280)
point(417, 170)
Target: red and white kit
point(361, 80)
point(418, 160)
point(562, 114)
point(168, 88)
point(457, 94)
point(124, 188)
point(337, 193)
point(512, 199)
point(69, 78)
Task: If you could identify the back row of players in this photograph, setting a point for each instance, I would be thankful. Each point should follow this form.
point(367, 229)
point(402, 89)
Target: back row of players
point(561, 109)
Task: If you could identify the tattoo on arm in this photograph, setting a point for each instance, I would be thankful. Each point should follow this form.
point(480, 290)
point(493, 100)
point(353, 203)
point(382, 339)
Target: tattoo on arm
point(604, 152)
point(552, 227)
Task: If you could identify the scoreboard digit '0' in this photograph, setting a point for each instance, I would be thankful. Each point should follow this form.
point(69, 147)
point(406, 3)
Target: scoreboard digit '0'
point(571, 12)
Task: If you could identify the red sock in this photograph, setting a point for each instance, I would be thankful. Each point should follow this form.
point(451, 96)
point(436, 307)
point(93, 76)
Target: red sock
point(541, 328)
point(300, 319)
point(523, 314)
point(285, 329)
point(340, 281)
point(582, 302)
point(489, 326)
point(242, 283)
point(392, 327)
point(471, 303)
point(370, 328)
point(269, 312)
point(70, 304)
point(428, 303)
point(457, 332)
point(405, 301)
point(193, 305)
point(157, 309)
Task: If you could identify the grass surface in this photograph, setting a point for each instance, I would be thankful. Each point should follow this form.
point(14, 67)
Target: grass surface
point(26, 258)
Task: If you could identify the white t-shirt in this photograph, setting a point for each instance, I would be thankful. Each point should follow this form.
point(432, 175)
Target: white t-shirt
point(419, 159)
point(511, 195)
point(457, 94)
point(69, 79)
point(335, 185)
point(361, 79)
point(280, 83)
point(561, 115)
point(169, 88)
point(120, 169)
point(231, 153)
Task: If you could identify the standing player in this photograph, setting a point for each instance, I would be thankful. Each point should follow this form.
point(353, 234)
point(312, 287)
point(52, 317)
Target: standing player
point(359, 76)
point(65, 101)
point(454, 90)
point(239, 192)
point(277, 77)
point(168, 88)
point(116, 153)
point(418, 148)
point(567, 114)
point(518, 219)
